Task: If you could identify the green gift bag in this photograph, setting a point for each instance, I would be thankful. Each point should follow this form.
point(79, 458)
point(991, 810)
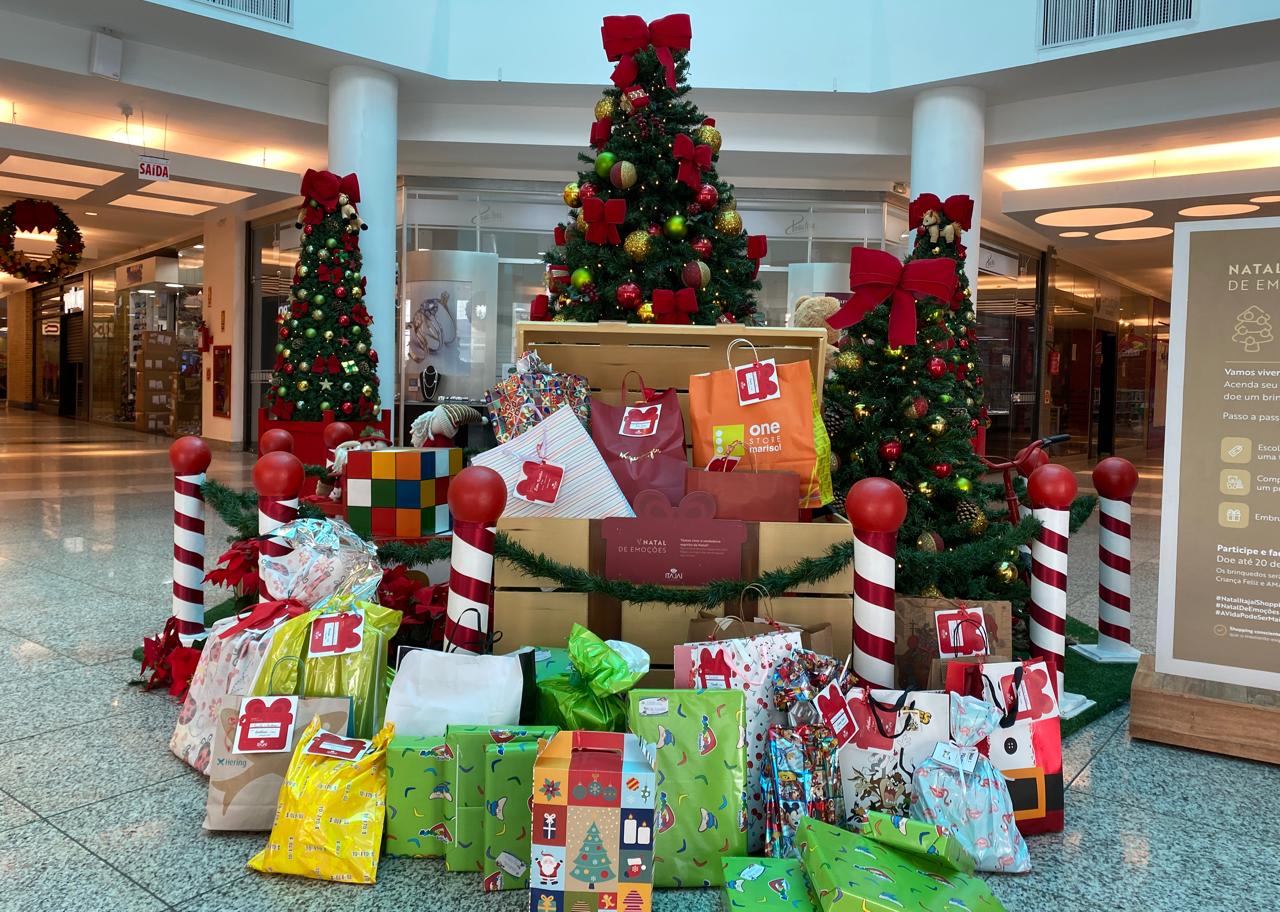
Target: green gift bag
point(766, 884)
point(851, 873)
point(419, 797)
point(508, 786)
point(700, 740)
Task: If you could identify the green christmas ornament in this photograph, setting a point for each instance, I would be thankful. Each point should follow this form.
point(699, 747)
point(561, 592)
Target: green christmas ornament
point(331, 243)
point(676, 227)
point(964, 485)
point(318, 300)
point(282, 391)
point(293, 324)
point(326, 405)
point(355, 330)
point(604, 162)
point(279, 347)
point(311, 248)
point(580, 278)
point(310, 332)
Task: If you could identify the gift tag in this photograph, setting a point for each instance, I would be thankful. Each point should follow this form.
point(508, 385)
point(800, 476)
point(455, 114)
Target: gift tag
point(539, 482)
point(948, 753)
point(961, 632)
point(757, 382)
point(337, 634)
point(327, 744)
point(723, 463)
point(653, 706)
point(265, 725)
point(834, 709)
point(640, 420)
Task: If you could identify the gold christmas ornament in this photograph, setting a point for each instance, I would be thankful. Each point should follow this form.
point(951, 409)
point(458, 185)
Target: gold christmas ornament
point(728, 222)
point(302, 386)
point(929, 541)
point(605, 108)
point(861, 411)
point(572, 196)
point(645, 312)
point(708, 135)
point(559, 318)
point(931, 591)
point(937, 427)
point(328, 335)
point(638, 245)
point(893, 351)
point(580, 223)
point(925, 489)
point(937, 250)
point(1006, 572)
point(623, 175)
point(849, 361)
point(287, 352)
point(367, 390)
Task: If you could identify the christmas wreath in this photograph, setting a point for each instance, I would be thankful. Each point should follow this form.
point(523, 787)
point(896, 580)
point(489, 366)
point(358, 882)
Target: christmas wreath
point(43, 216)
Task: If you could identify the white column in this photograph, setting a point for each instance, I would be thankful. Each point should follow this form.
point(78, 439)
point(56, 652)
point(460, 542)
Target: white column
point(363, 127)
point(948, 137)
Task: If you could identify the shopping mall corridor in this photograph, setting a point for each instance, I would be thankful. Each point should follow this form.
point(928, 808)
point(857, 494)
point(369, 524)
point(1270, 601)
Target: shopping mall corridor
point(96, 814)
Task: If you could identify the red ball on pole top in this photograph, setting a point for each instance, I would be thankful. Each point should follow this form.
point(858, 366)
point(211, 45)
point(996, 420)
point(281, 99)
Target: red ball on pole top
point(276, 440)
point(189, 456)
point(1034, 460)
point(337, 433)
point(1052, 485)
point(278, 474)
point(1115, 478)
point(876, 505)
point(477, 495)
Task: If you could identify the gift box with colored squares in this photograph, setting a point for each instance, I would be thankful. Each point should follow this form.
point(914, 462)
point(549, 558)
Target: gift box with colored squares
point(400, 492)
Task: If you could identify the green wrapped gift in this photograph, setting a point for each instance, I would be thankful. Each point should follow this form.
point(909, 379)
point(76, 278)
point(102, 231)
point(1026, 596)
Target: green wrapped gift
point(917, 837)
point(508, 785)
point(548, 661)
point(468, 744)
point(700, 765)
point(589, 696)
point(419, 796)
point(768, 883)
point(851, 873)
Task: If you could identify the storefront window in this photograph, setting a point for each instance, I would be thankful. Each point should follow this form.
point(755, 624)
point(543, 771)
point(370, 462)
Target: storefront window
point(1071, 301)
point(48, 347)
point(4, 348)
point(111, 396)
point(273, 254)
point(1006, 304)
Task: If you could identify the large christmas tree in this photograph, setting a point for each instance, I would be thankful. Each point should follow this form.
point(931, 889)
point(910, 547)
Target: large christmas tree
point(904, 402)
point(653, 233)
point(324, 359)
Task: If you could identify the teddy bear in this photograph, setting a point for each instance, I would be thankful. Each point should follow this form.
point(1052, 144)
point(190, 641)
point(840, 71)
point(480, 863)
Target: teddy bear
point(813, 310)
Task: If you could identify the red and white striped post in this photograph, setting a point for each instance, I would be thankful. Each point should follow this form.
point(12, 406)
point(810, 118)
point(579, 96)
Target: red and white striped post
point(1115, 480)
point(477, 497)
point(190, 458)
point(277, 477)
point(876, 508)
point(1051, 489)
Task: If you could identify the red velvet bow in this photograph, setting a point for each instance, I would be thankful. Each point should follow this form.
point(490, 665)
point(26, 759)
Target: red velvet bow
point(540, 308)
point(603, 218)
point(562, 236)
point(959, 209)
point(325, 186)
point(693, 160)
point(264, 614)
point(877, 275)
point(624, 35)
point(600, 131)
point(757, 249)
point(925, 202)
point(675, 306)
point(360, 314)
point(35, 215)
point(350, 185)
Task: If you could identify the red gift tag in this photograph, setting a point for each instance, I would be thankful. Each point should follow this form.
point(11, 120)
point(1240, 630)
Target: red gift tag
point(758, 382)
point(265, 725)
point(834, 709)
point(539, 482)
point(868, 734)
point(640, 420)
point(1036, 694)
point(961, 632)
point(337, 634)
point(327, 744)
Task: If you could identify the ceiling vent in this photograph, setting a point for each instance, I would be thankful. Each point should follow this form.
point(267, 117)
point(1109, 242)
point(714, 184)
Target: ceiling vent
point(277, 11)
point(1068, 21)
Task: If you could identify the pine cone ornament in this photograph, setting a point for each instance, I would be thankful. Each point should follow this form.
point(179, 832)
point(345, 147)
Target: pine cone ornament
point(970, 515)
point(835, 416)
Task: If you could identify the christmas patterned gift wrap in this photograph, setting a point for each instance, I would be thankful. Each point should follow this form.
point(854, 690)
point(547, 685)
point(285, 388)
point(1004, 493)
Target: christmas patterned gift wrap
point(916, 836)
point(420, 804)
point(699, 743)
point(768, 884)
point(593, 825)
point(508, 787)
point(851, 873)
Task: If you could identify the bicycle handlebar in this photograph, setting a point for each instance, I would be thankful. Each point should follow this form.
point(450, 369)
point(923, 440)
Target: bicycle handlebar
point(1056, 438)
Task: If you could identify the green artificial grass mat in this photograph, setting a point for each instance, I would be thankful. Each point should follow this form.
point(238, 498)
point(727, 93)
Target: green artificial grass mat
point(1108, 684)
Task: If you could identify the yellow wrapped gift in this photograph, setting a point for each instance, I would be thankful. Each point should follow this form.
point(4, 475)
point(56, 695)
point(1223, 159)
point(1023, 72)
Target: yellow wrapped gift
point(332, 806)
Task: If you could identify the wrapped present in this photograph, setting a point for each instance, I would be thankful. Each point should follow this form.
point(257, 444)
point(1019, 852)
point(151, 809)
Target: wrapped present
point(592, 694)
point(468, 744)
point(508, 787)
point(419, 796)
point(532, 394)
point(699, 742)
point(400, 492)
point(911, 836)
point(347, 778)
point(853, 873)
point(800, 777)
point(326, 558)
point(930, 629)
point(767, 883)
point(593, 824)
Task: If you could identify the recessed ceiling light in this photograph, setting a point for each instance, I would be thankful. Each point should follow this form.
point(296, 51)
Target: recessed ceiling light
point(1206, 159)
point(22, 187)
point(38, 167)
point(1218, 209)
point(175, 207)
point(146, 291)
point(87, 212)
point(1073, 234)
point(1107, 215)
point(1133, 234)
point(1265, 199)
point(187, 190)
point(199, 247)
point(172, 285)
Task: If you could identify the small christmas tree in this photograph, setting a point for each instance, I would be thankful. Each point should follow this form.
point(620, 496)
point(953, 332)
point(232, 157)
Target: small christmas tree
point(324, 359)
point(653, 235)
point(592, 865)
point(1253, 327)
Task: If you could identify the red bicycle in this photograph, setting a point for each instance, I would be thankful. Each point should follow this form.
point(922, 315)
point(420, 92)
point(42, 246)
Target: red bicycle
point(1027, 460)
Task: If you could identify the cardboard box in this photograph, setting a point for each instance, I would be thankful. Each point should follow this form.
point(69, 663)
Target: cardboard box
point(917, 633)
point(400, 492)
point(508, 788)
point(419, 797)
point(593, 824)
point(767, 885)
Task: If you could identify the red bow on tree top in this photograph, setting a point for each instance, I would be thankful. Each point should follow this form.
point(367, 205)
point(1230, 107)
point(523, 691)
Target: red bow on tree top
point(877, 275)
point(674, 306)
point(603, 218)
point(624, 35)
point(325, 186)
point(35, 215)
point(958, 208)
point(693, 160)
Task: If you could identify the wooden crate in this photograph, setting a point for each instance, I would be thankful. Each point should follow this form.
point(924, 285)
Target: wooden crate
point(666, 356)
point(531, 612)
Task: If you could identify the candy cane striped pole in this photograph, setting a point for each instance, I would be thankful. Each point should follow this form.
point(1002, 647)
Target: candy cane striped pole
point(477, 497)
point(876, 509)
point(277, 477)
point(190, 458)
point(1115, 480)
point(1051, 489)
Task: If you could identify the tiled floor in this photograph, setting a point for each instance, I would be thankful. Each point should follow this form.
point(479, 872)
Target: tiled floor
point(95, 814)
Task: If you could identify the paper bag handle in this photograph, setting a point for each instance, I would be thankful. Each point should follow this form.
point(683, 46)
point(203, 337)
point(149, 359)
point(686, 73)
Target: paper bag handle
point(728, 355)
point(598, 742)
point(765, 597)
point(646, 391)
point(1010, 711)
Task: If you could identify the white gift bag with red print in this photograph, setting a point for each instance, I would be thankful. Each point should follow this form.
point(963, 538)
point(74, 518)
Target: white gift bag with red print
point(748, 664)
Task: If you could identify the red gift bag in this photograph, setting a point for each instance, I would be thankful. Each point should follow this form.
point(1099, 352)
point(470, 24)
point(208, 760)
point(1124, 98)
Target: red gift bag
point(643, 442)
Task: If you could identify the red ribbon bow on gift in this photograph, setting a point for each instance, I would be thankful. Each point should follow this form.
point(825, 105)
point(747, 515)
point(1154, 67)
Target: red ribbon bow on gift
point(35, 215)
point(540, 308)
point(958, 208)
point(757, 250)
point(693, 160)
point(603, 218)
point(264, 614)
point(877, 275)
point(324, 187)
point(674, 306)
point(600, 131)
point(624, 35)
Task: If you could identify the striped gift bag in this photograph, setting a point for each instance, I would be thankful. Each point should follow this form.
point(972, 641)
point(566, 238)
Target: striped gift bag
point(553, 469)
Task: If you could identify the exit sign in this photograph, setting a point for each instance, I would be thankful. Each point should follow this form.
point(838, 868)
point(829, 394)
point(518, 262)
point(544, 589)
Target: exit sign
point(153, 168)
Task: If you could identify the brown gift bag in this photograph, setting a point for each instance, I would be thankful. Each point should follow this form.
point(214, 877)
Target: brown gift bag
point(244, 788)
point(749, 495)
point(938, 668)
point(706, 628)
point(917, 634)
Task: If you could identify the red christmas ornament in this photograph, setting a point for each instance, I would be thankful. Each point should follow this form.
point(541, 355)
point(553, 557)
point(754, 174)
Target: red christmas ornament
point(1115, 478)
point(347, 408)
point(278, 474)
point(308, 229)
point(707, 196)
point(935, 367)
point(628, 295)
point(920, 406)
point(964, 343)
point(692, 209)
point(288, 368)
point(891, 450)
point(702, 247)
point(343, 320)
point(973, 424)
point(655, 230)
point(340, 291)
point(586, 192)
point(942, 469)
point(284, 332)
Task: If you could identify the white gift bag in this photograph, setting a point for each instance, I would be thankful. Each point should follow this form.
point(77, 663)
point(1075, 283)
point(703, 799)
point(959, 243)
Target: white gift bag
point(433, 690)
